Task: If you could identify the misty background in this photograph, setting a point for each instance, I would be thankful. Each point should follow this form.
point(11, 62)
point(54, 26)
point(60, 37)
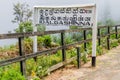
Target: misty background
point(105, 8)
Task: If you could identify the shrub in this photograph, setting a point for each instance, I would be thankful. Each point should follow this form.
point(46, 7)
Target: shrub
point(40, 41)
point(68, 39)
point(84, 57)
point(24, 27)
point(11, 75)
point(41, 28)
point(28, 43)
point(47, 41)
point(99, 50)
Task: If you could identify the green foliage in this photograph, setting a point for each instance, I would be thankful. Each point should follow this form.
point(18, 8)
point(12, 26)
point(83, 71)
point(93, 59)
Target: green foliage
point(73, 27)
point(109, 22)
point(22, 13)
point(56, 38)
point(84, 57)
point(47, 41)
point(99, 24)
point(28, 43)
point(8, 48)
point(99, 50)
point(40, 41)
point(36, 78)
point(104, 43)
point(114, 43)
point(24, 27)
point(71, 53)
point(55, 58)
point(41, 28)
point(68, 39)
point(10, 75)
point(43, 65)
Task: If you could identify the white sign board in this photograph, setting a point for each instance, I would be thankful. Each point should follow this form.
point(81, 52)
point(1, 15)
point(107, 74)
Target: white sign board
point(81, 15)
point(65, 15)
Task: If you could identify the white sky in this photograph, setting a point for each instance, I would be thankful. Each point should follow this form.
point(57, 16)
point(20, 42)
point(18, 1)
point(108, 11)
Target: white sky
point(6, 9)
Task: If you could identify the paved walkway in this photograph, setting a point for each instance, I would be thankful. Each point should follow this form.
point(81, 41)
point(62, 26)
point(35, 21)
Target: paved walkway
point(108, 68)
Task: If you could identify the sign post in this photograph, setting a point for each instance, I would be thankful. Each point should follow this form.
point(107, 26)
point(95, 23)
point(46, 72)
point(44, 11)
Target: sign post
point(81, 15)
point(34, 30)
point(94, 37)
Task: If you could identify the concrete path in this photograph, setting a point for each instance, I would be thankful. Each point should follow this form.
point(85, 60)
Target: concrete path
point(108, 68)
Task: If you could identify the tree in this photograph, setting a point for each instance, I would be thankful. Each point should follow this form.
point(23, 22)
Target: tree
point(23, 16)
point(22, 13)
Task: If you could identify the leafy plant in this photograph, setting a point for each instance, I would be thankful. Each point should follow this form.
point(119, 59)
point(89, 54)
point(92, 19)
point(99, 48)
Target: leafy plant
point(11, 75)
point(99, 50)
point(68, 39)
point(41, 28)
point(28, 43)
point(47, 41)
point(24, 27)
point(114, 43)
point(22, 13)
point(84, 57)
point(40, 41)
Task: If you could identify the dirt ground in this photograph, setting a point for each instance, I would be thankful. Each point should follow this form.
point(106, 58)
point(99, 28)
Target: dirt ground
point(107, 68)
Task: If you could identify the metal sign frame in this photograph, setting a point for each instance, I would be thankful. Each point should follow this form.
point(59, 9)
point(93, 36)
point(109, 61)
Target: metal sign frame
point(94, 28)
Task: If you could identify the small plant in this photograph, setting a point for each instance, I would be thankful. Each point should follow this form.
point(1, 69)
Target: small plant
point(28, 43)
point(47, 41)
point(36, 78)
point(114, 43)
point(11, 74)
point(99, 50)
point(84, 57)
point(41, 28)
point(40, 41)
point(42, 65)
point(68, 39)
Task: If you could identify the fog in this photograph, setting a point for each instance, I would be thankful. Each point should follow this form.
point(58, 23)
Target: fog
point(105, 8)
point(6, 9)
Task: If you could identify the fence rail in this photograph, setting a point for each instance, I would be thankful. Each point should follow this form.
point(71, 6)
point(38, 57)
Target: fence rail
point(23, 57)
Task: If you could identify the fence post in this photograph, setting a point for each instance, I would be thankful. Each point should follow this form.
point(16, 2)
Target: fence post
point(108, 30)
point(108, 38)
point(22, 63)
point(116, 32)
point(85, 45)
point(78, 57)
point(63, 46)
point(99, 41)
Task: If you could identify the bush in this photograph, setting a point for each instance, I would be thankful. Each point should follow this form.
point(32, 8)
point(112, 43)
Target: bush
point(40, 41)
point(41, 28)
point(24, 27)
point(47, 41)
point(28, 43)
point(11, 75)
point(68, 39)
